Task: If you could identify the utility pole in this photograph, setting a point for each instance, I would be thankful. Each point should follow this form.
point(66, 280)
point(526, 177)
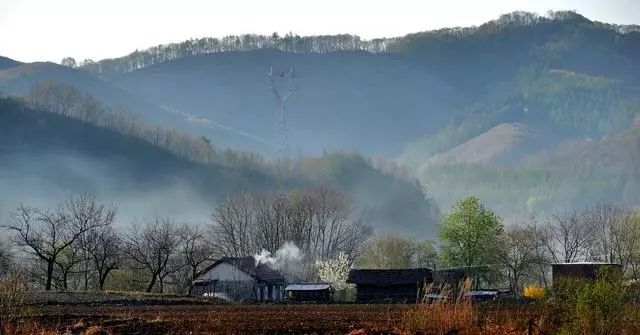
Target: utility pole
point(282, 86)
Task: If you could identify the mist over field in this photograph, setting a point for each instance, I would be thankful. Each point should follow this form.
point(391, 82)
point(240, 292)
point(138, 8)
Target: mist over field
point(44, 180)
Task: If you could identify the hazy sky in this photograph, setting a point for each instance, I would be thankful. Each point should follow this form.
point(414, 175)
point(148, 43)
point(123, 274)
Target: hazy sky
point(36, 30)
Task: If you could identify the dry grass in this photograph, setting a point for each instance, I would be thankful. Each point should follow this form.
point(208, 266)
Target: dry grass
point(11, 304)
point(453, 313)
point(450, 313)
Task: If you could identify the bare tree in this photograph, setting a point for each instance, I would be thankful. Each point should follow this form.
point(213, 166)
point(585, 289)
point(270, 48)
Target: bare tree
point(196, 249)
point(566, 238)
point(66, 262)
point(48, 233)
point(320, 221)
point(104, 250)
point(233, 219)
point(153, 247)
point(518, 254)
point(609, 228)
point(85, 211)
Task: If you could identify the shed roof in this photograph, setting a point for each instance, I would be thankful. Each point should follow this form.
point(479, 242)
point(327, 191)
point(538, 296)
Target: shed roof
point(249, 265)
point(587, 263)
point(481, 293)
point(308, 287)
point(384, 277)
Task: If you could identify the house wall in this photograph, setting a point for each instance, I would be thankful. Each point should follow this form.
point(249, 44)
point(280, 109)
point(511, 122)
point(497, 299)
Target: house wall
point(319, 295)
point(238, 286)
point(391, 292)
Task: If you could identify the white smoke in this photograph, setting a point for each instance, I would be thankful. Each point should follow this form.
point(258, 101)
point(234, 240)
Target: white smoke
point(289, 260)
point(288, 252)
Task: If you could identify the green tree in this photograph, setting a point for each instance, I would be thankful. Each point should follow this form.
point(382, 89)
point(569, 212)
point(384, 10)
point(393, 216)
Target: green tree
point(470, 234)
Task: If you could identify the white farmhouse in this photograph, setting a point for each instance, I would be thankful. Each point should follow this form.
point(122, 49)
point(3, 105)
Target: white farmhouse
point(240, 279)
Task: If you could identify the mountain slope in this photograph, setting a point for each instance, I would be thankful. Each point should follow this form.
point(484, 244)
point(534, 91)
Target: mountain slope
point(6, 63)
point(496, 143)
point(19, 79)
point(354, 100)
point(46, 156)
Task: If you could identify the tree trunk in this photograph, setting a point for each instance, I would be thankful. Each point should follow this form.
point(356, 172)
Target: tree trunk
point(86, 274)
point(103, 278)
point(65, 275)
point(152, 283)
point(47, 286)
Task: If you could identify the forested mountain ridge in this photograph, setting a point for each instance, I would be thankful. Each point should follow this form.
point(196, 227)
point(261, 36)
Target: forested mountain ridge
point(417, 42)
point(58, 149)
point(428, 97)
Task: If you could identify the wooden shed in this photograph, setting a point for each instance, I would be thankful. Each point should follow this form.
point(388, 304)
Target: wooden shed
point(582, 270)
point(319, 292)
point(390, 284)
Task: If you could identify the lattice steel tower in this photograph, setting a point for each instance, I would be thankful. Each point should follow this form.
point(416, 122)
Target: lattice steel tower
point(282, 86)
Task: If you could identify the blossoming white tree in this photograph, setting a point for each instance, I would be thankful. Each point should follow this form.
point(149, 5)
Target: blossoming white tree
point(336, 272)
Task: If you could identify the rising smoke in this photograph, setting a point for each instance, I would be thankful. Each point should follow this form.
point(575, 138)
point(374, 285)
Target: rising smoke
point(288, 259)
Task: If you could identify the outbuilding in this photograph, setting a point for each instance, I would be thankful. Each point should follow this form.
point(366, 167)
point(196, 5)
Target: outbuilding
point(240, 279)
point(582, 270)
point(390, 284)
point(318, 292)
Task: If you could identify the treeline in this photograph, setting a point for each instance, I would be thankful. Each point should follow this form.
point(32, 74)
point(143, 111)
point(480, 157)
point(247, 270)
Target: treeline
point(65, 99)
point(474, 236)
point(320, 221)
point(195, 47)
point(78, 245)
point(317, 44)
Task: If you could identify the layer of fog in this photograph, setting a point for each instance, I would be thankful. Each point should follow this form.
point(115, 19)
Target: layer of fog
point(45, 180)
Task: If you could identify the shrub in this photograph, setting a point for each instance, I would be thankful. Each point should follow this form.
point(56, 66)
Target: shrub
point(534, 291)
point(601, 306)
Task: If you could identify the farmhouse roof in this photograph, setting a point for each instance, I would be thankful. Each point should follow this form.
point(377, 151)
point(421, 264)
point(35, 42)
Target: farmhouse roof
point(249, 265)
point(384, 277)
point(308, 287)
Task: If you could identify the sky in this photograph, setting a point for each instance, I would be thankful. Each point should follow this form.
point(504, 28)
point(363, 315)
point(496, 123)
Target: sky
point(48, 30)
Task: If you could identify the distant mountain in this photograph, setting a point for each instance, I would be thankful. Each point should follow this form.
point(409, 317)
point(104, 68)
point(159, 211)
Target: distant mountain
point(342, 100)
point(6, 63)
point(46, 156)
point(467, 110)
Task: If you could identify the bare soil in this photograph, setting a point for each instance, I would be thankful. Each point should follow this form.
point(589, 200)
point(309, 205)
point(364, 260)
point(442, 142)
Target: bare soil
point(217, 319)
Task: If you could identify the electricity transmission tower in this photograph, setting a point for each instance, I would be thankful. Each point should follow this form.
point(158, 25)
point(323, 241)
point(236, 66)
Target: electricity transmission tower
point(282, 86)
